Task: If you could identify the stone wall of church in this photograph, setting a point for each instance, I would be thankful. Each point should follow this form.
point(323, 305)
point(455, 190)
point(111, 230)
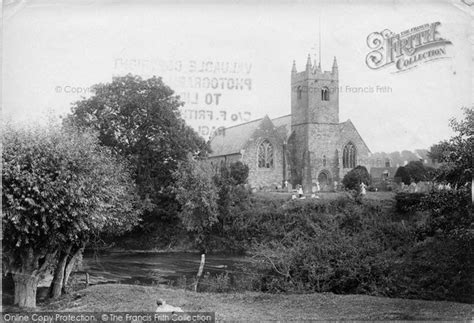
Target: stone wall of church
point(264, 177)
point(296, 150)
point(350, 134)
point(227, 160)
point(323, 142)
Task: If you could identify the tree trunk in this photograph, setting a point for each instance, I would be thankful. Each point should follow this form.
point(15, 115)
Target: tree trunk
point(25, 290)
point(57, 283)
point(26, 275)
point(201, 268)
point(69, 268)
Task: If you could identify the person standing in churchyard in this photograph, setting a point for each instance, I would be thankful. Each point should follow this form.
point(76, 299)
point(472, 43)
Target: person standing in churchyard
point(314, 191)
point(412, 188)
point(300, 191)
point(362, 189)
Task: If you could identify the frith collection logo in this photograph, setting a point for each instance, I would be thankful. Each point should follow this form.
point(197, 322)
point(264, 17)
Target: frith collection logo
point(407, 49)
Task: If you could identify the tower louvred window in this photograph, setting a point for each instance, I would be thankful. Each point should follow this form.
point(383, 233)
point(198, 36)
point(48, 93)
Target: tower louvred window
point(325, 94)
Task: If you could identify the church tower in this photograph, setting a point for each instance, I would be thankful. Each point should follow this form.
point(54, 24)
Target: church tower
point(314, 123)
point(314, 94)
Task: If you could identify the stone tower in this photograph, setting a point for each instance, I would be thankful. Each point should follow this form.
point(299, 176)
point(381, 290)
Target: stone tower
point(314, 94)
point(314, 124)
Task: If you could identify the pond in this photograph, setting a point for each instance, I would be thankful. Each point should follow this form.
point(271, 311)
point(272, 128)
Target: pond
point(140, 268)
point(154, 268)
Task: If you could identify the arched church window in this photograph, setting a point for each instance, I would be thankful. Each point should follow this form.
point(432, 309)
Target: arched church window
point(324, 160)
point(265, 155)
point(299, 91)
point(349, 156)
point(325, 94)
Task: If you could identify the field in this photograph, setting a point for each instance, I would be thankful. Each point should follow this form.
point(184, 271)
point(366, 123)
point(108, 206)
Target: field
point(259, 306)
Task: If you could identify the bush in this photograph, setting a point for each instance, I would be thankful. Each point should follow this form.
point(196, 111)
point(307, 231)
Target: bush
point(342, 246)
point(239, 173)
point(355, 177)
point(409, 202)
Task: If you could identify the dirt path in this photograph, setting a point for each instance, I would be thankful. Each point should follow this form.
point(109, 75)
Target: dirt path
point(258, 306)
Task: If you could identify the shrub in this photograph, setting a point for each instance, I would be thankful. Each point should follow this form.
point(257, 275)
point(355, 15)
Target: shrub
point(355, 177)
point(402, 175)
point(409, 202)
point(239, 173)
point(342, 246)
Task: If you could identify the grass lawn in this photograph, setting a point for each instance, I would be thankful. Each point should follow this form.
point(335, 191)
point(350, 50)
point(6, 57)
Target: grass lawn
point(259, 306)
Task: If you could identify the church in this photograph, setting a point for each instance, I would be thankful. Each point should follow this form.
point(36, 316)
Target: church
point(308, 147)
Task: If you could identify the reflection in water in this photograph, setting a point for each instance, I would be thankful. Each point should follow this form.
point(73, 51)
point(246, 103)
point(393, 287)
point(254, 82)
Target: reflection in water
point(154, 268)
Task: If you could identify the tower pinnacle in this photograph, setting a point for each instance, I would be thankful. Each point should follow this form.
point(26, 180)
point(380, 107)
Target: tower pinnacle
point(308, 63)
point(334, 65)
point(293, 69)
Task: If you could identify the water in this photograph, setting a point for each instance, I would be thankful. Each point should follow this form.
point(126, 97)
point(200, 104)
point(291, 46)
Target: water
point(154, 268)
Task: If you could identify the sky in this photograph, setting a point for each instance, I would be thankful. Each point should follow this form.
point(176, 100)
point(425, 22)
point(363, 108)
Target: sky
point(231, 62)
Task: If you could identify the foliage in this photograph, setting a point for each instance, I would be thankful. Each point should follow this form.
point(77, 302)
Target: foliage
point(239, 173)
point(342, 246)
point(442, 262)
point(457, 153)
point(409, 202)
point(229, 182)
point(197, 195)
point(59, 188)
point(414, 171)
point(403, 175)
point(220, 283)
point(355, 177)
point(140, 120)
point(451, 214)
point(418, 171)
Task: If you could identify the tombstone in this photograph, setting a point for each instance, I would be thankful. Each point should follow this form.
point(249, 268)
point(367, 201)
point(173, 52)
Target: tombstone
point(423, 187)
point(289, 187)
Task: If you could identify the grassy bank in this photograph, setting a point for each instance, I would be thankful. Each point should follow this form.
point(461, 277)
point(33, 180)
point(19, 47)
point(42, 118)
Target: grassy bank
point(260, 306)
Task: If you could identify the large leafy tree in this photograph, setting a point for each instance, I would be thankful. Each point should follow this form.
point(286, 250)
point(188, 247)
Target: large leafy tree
point(457, 153)
point(229, 181)
point(197, 195)
point(59, 188)
point(140, 120)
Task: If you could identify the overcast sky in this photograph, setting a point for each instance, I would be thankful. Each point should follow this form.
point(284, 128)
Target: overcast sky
point(53, 50)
